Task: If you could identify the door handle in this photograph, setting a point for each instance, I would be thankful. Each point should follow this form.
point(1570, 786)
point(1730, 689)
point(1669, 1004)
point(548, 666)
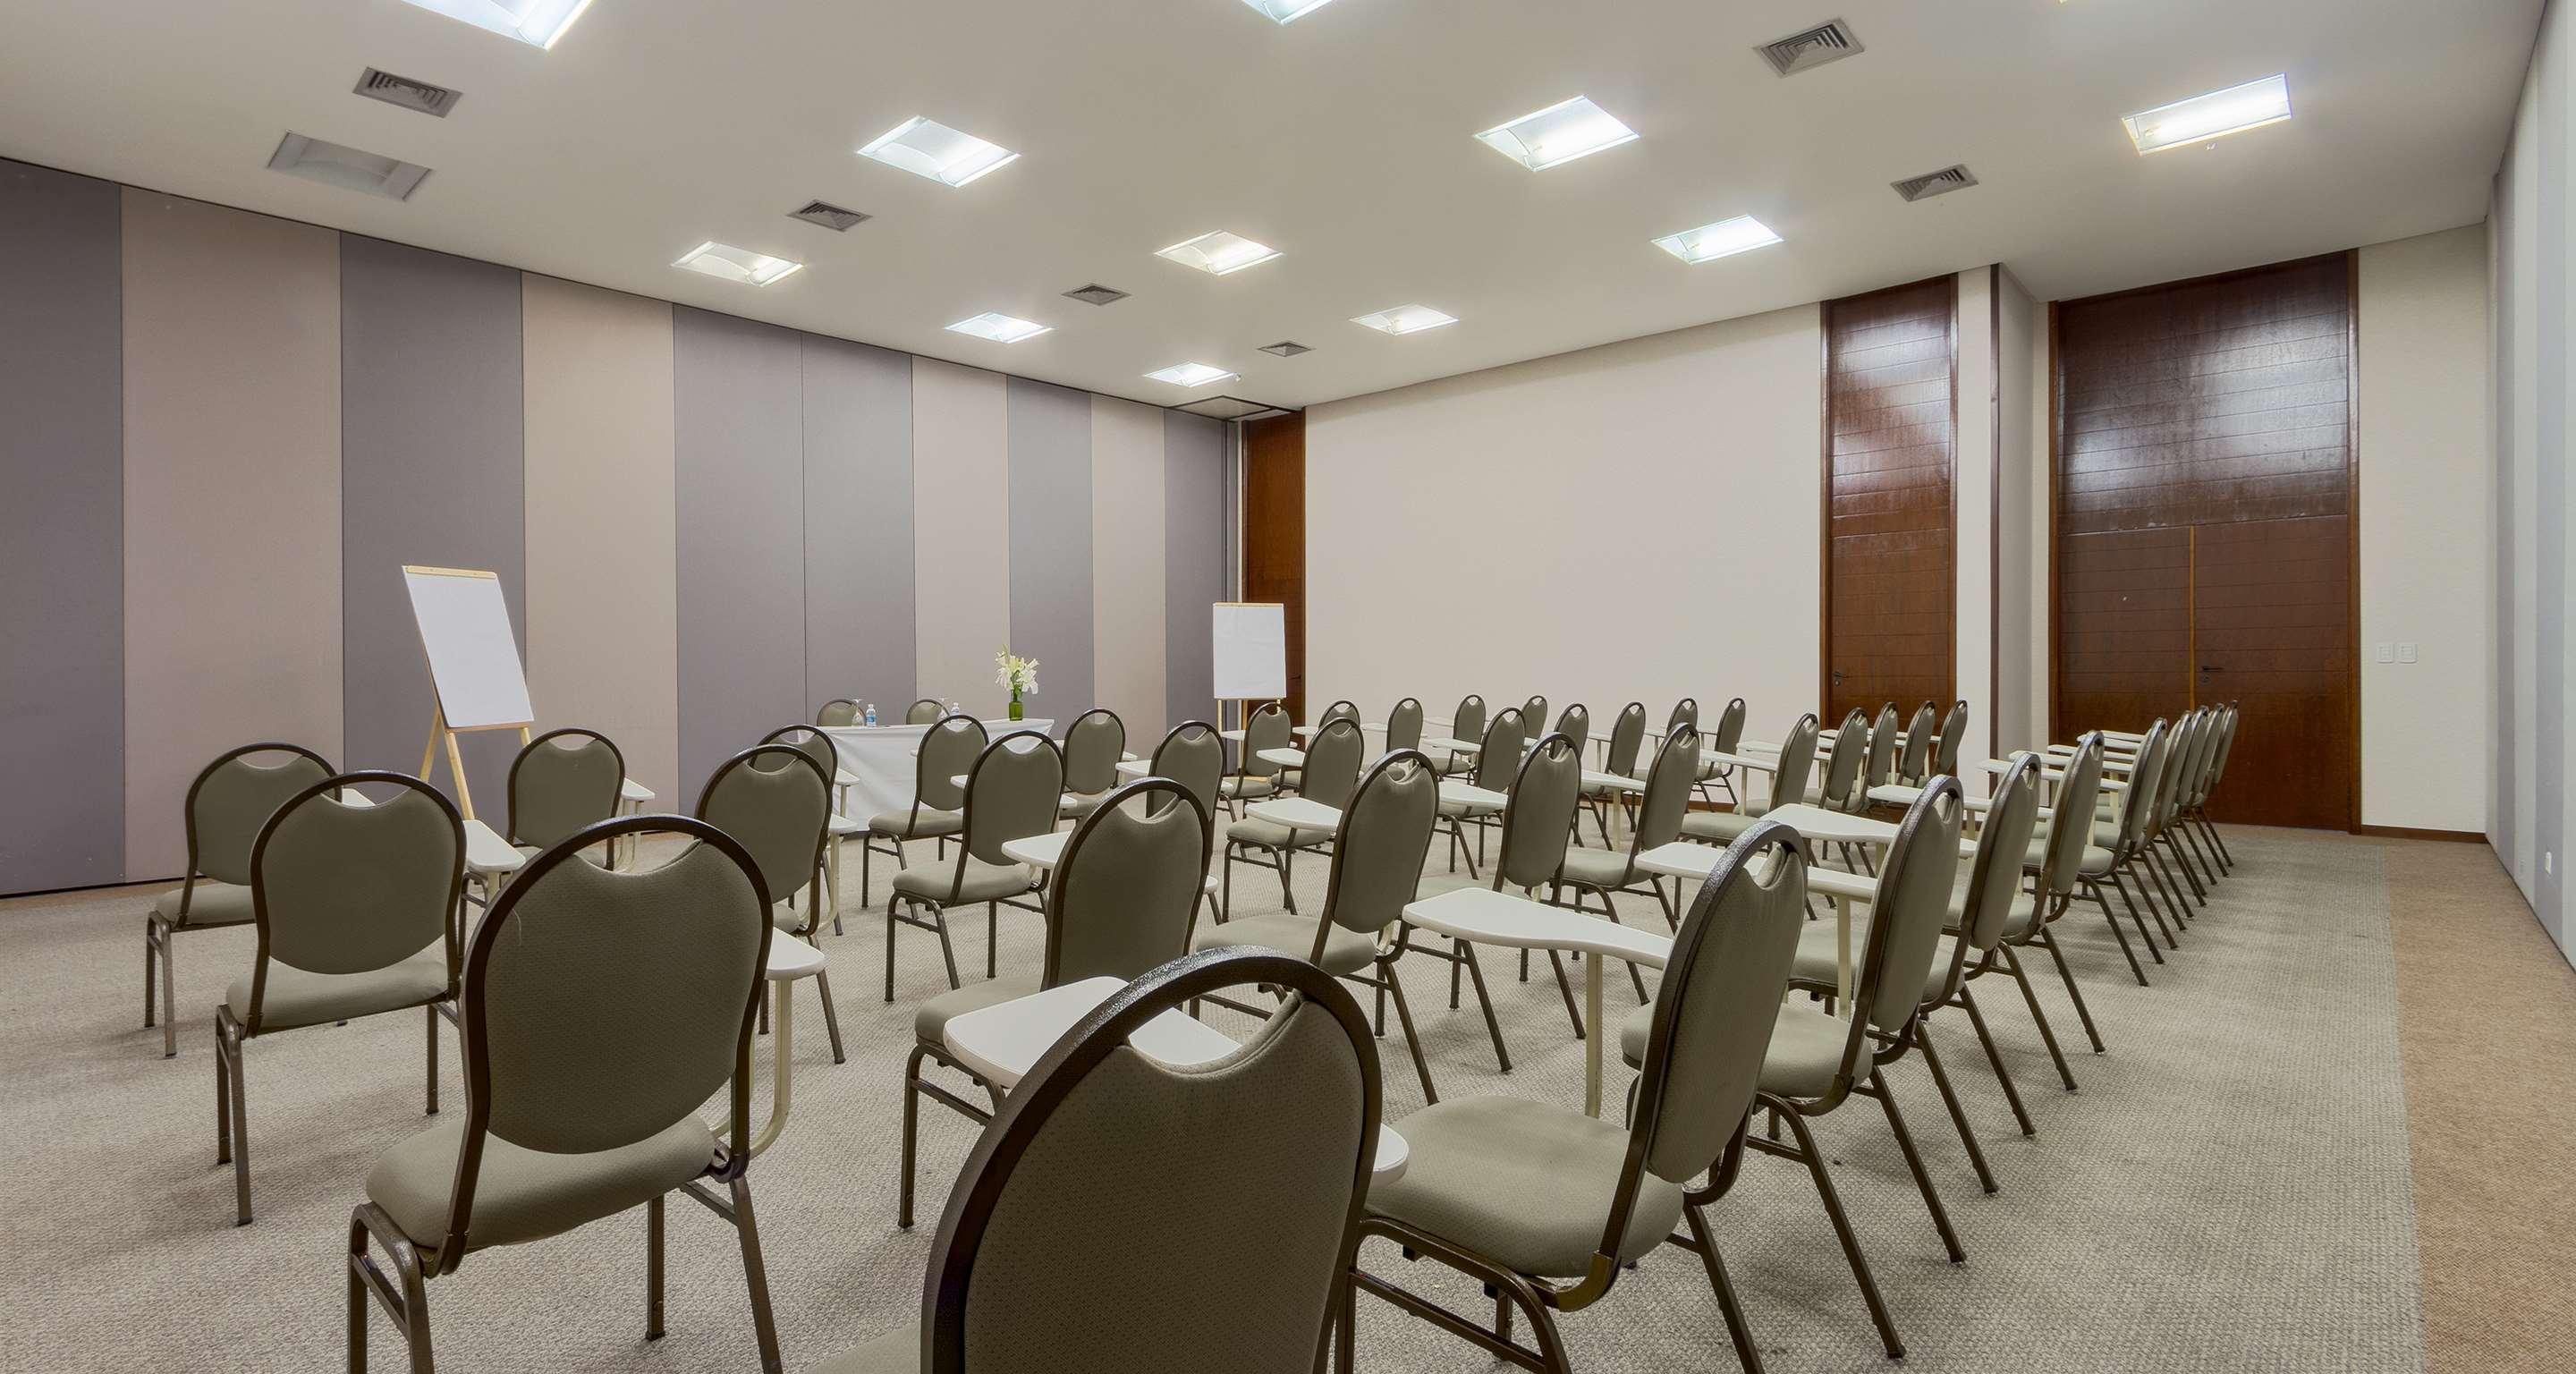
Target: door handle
point(1838, 677)
point(2209, 668)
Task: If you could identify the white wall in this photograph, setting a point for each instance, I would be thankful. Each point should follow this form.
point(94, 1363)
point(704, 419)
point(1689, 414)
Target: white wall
point(1635, 521)
point(1972, 502)
point(2427, 481)
point(2021, 498)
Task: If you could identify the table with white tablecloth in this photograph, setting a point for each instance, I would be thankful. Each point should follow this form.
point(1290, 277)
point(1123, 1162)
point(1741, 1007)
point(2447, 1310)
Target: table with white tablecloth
point(885, 760)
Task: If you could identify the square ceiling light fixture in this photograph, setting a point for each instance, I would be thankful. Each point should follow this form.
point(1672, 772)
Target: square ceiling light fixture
point(2215, 115)
point(999, 328)
point(1218, 253)
point(1558, 134)
point(1287, 10)
point(535, 22)
point(926, 147)
point(1189, 374)
point(350, 169)
point(1405, 319)
point(1724, 239)
point(736, 264)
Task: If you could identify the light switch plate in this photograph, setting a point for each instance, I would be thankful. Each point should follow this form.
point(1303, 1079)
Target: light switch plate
point(2405, 651)
point(2387, 652)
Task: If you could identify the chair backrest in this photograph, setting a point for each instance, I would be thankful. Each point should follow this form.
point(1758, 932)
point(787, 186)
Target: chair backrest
point(1015, 790)
point(948, 749)
point(1730, 729)
point(601, 1007)
point(1534, 714)
point(1882, 749)
point(1954, 732)
point(1332, 766)
point(232, 799)
point(1668, 792)
point(2180, 761)
point(1994, 880)
point(838, 711)
point(1379, 848)
point(1267, 729)
point(1500, 760)
point(1627, 736)
point(2063, 859)
point(776, 803)
point(1540, 816)
point(1575, 723)
point(1797, 760)
point(2223, 724)
point(1344, 709)
point(1404, 725)
point(1915, 763)
point(812, 743)
point(1843, 785)
point(338, 887)
point(1914, 881)
point(2226, 746)
point(1685, 716)
point(923, 712)
point(1119, 903)
point(1092, 746)
point(2137, 804)
point(562, 781)
point(1193, 755)
point(1228, 1193)
point(1468, 721)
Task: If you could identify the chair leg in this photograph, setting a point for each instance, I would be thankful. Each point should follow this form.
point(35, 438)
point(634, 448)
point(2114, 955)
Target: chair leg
point(431, 1012)
point(1747, 1354)
point(653, 1270)
point(1958, 1114)
point(169, 992)
point(1389, 983)
point(1815, 1162)
point(150, 955)
point(831, 1017)
point(2047, 1033)
point(230, 1083)
point(1566, 989)
point(2224, 856)
point(2094, 890)
point(992, 940)
point(2113, 878)
point(1225, 906)
point(405, 1296)
point(911, 1134)
point(2073, 993)
point(889, 959)
point(2181, 862)
point(1914, 1162)
point(1493, 1027)
point(2151, 888)
point(947, 950)
point(756, 1277)
point(1986, 1038)
point(1286, 893)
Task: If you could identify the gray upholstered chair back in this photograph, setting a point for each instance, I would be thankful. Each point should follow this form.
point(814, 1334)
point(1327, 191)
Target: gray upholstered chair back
point(344, 888)
point(1627, 736)
point(1843, 786)
point(1715, 1007)
point(1468, 721)
point(1344, 709)
point(1534, 715)
point(1092, 745)
point(1994, 880)
point(1541, 815)
point(1797, 760)
point(1575, 723)
point(1668, 791)
point(948, 749)
point(562, 781)
point(1227, 1193)
point(1268, 729)
point(1333, 763)
point(1914, 883)
point(1120, 901)
point(233, 797)
point(2226, 745)
point(1379, 848)
point(1404, 725)
point(1685, 716)
point(923, 712)
point(2215, 756)
point(2180, 760)
point(602, 1007)
point(1193, 755)
point(2137, 805)
point(1015, 790)
point(1500, 760)
point(1915, 763)
point(1730, 727)
point(1954, 733)
point(838, 711)
point(2072, 830)
point(1882, 749)
point(776, 803)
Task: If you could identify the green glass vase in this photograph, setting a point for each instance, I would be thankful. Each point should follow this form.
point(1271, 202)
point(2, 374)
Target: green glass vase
point(1018, 712)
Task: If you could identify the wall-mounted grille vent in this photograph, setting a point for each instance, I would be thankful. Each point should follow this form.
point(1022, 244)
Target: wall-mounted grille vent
point(410, 94)
point(830, 216)
point(1930, 184)
point(1831, 41)
point(1286, 348)
point(1096, 294)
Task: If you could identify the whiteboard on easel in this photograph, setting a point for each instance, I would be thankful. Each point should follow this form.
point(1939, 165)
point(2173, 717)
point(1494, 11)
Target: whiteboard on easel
point(1251, 645)
point(473, 656)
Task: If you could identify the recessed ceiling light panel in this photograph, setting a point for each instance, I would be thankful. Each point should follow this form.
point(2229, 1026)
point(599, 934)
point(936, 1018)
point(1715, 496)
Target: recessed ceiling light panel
point(2215, 115)
point(736, 264)
point(1189, 374)
point(926, 147)
point(1286, 10)
point(1724, 239)
point(1405, 319)
point(1558, 134)
point(350, 169)
point(535, 22)
point(999, 328)
point(1219, 253)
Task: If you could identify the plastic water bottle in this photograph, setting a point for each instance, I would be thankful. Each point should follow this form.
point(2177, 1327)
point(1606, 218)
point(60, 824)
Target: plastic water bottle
point(872, 715)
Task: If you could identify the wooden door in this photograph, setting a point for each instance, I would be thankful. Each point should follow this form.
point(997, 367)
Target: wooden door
point(1274, 533)
point(1891, 416)
point(2204, 499)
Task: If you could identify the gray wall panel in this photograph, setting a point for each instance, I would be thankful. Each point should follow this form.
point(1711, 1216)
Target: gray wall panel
point(739, 397)
point(1050, 438)
point(1194, 569)
point(858, 524)
point(62, 560)
point(432, 472)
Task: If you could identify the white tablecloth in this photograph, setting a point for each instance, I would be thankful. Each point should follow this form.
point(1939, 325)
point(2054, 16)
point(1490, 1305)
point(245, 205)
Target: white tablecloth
point(884, 760)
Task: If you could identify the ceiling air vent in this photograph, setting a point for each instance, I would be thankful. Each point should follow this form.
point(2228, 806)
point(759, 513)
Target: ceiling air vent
point(410, 94)
point(1096, 294)
point(830, 216)
point(350, 169)
point(1830, 41)
point(1952, 178)
point(1286, 348)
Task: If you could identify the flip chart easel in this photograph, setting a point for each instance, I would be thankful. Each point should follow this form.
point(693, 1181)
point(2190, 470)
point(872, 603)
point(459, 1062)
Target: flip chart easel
point(1250, 655)
point(476, 679)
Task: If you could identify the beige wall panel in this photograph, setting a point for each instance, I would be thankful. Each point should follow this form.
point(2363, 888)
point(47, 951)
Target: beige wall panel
point(1127, 628)
point(961, 532)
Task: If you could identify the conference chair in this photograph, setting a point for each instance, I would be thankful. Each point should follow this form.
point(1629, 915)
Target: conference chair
point(2193, 812)
point(1332, 770)
point(1119, 905)
point(1537, 823)
point(1255, 777)
point(1788, 787)
point(1093, 745)
point(2174, 828)
point(2199, 808)
point(1546, 1206)
point(775, 801)
point(2128, 833)
point(1914, 759)
point(1627, 737)
point(2055, 865)
point(1193, 755)
point(2096, 846)
point(1534, 714)
point(1465, 723)
point(600, 1011)
point(837, 827)
point(924, 712)
point(1684, 716)
point(1404, 725)
point(1498, 761)
point(1725, 739)
point(1012, 792)
point(226, 807)
point(352, 904)
point(1293, 778)
point(560, 782)
point(1575, 723)
point(1378, 851)
point(838, 711)
point(1121, 1215)
point(1954, 733)
point(1605, 872)
point(1881, 768)
point(938, 810)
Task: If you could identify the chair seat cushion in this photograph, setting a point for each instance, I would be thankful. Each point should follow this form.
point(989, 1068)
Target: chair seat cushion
point(1345, 950)
point(1720, 827)
point(1261, 834)
point(2097, 860)
point(521, 1194)
point(907, 825)
point(981, 882)
point(2024, 915)
point(1239, 786)
point(295, 997)
point(212, 904)
point(1598, 868)
point(1525, 1183)
point(895, 1352)
point(1818, 957)
point(930, 1022)
point(1806, 1042)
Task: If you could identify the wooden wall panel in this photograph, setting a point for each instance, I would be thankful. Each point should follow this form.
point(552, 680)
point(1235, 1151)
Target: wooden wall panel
point(1274, 533)
point(1891, 413)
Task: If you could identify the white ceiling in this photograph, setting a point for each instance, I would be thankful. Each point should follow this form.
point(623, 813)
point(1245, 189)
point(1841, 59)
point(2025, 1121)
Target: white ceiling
point(1344, 139)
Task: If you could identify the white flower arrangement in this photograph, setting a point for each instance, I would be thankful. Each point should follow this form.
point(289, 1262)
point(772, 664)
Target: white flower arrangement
point(1012, 671)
